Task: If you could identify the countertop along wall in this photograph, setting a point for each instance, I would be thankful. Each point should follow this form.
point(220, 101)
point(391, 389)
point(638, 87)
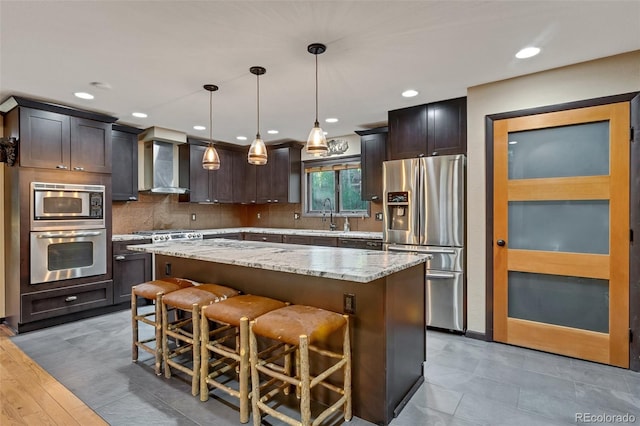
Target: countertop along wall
point(598, 78)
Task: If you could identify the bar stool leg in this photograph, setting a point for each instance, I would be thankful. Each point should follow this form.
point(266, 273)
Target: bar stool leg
point(158, 330)
point(255, 378)
point(346, 345)
point(244, 370)
point(165, 341)
point(305, 394)
point(195, 320)
point(134, 325)
point(205, 355)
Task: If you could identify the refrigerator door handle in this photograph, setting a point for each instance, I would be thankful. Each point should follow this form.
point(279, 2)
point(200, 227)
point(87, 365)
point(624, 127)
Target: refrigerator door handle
point(410, 250)
point(440, 251)
point(443, 275)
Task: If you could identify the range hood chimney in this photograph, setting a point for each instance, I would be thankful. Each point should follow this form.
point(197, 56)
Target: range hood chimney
point(158, 167)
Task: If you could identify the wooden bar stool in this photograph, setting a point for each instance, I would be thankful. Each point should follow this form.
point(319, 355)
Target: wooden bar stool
point(230, 344)
point(153, 291)
point(186, 330)
point(305, 328)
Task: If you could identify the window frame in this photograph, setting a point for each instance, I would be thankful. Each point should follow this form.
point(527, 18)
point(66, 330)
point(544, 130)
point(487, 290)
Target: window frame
point(328, 162)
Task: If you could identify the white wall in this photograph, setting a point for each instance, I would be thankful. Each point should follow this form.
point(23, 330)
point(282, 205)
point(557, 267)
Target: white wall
point(603, 77)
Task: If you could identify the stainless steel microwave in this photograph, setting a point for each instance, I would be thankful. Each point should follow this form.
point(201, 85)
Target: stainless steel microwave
point(62, 206)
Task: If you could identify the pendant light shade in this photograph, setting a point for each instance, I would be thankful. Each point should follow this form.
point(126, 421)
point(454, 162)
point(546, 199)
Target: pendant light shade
point(257, 151)
point(316, 142)
point(210, 159)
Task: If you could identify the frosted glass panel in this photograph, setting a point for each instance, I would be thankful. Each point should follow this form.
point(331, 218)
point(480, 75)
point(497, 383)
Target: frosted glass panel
point(577, 150)
point(569, 226)
point(553, 299)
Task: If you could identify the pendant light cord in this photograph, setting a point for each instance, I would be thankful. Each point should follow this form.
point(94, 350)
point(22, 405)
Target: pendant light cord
point(258, 107)
point(210, 118)
point(317, 124)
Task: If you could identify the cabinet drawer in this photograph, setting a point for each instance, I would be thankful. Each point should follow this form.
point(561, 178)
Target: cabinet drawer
point(310, 241)
point(360, 244)
point(269, 238)
point(231, 236)
point(61, 301)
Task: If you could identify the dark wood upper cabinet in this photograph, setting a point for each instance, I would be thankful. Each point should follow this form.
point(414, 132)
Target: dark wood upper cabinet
point(407, 132)
point(124, 167)
point(278, 181)
point(57, 137)
point(373, 151)
point(45, 139)
point(244, 178)
point(447, 127)
point(438, 128)
point(90, 145)
point(205, 186)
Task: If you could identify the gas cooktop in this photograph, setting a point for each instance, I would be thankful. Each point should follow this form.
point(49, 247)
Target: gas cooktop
point(171, 235)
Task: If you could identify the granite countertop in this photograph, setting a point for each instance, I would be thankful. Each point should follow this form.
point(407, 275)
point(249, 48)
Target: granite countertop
point(283, 231)
point(328, 262)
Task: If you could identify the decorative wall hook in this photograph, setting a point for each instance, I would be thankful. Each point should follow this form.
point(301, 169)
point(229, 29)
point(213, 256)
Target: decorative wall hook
point(8, 150)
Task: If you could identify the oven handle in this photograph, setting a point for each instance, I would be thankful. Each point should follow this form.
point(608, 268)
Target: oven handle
point(439, 275)
point(74, 235)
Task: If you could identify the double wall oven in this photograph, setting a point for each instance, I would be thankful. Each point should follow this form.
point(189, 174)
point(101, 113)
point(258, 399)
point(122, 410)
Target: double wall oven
point(68, 237)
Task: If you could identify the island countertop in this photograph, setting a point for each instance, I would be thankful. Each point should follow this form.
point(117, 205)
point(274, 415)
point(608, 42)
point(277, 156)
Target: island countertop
point(328, 262)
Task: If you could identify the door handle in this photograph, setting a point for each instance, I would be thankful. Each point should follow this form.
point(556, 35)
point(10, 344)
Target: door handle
point(120, 257)
point(501, 243)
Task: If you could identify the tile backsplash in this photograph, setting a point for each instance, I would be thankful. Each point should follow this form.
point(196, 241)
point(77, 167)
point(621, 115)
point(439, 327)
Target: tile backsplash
point(160, 211)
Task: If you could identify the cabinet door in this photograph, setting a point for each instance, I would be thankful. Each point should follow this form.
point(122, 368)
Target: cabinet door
point(263, 181)
point(447, 126)
point(44, 139)
point(408, 132)
point(280, 169)
point(129, 270)
point(310, 240)
point(222, 179)
point(268, 238)
point(90, 145)
point(372, 154)
point(125, 166)
point(198, 177)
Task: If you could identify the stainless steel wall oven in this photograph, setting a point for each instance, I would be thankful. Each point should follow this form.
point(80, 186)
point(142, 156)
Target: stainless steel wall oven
point(68, 238)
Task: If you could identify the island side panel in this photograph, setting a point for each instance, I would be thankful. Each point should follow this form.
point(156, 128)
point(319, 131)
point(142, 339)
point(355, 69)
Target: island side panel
point(406, 334)
point(371, 375)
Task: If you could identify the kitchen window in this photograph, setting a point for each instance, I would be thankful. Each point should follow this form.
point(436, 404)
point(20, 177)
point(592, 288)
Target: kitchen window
point(339, 182)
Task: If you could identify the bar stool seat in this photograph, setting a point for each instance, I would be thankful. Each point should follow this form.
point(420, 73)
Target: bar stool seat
point(305, 329)
point(230, 344)
point(186, 331)
point(152, 290)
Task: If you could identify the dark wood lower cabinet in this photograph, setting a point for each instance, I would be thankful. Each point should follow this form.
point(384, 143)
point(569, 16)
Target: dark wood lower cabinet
point(310, 241)
point(129, 268)
point(65, 300)
point(231, 236)
point(360, 244)
point(268, 238)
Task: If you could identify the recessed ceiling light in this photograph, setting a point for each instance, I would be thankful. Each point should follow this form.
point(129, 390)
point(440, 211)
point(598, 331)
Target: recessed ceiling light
point(139, 114)
point(331, 120)
point(199, 127)
point(325, 133)
point(410, 93)
point(83, 95)
point(273, 132)
point(241, 138)
point(527, 52)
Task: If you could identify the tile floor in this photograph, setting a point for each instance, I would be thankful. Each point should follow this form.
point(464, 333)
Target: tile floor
point(468, 382)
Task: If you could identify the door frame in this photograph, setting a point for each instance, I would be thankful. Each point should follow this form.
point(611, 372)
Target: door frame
point(634, 258)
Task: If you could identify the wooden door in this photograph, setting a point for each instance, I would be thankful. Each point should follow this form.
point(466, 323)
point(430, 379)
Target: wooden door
point(561, 232)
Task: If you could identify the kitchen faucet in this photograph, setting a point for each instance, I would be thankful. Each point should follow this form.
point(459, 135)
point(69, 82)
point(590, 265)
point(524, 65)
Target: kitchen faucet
point(332, 226)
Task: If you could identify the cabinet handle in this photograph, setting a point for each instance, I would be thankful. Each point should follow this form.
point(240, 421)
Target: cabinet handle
point(207, 200)
point(215, 201)
point(120, 257)
point(80, 169)
point(275, 201)
point(264, 238)
point(434, 153)
point(71, 299)
point(61, 167)
point(374, 197)
point(268, 201)
point(133, 198)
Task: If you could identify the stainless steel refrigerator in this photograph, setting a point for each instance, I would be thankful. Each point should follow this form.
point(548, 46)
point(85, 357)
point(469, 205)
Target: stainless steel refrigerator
point(424, 212)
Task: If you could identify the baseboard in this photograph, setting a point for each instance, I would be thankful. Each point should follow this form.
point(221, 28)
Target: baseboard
point(476, 335)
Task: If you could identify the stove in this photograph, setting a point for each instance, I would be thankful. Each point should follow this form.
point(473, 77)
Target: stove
point(163, 235)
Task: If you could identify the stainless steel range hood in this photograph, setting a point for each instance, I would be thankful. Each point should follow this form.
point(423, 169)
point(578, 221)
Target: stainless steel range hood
point(158, 169)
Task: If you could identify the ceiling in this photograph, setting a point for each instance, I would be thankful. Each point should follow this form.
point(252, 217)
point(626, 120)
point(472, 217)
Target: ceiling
point(155, 56)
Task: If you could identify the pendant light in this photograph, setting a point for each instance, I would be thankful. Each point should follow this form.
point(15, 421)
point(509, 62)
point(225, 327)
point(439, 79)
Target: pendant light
point(257, 150)
point(316, 142)
point(210, 159)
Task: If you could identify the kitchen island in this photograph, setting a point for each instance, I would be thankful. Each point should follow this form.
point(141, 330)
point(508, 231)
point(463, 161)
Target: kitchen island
point(382, 291)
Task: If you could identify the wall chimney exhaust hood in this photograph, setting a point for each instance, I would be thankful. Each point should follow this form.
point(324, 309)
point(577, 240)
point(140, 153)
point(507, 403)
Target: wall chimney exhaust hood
point(158, 167)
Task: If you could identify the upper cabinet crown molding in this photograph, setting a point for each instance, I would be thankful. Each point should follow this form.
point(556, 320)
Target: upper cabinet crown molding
point(19, 101)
